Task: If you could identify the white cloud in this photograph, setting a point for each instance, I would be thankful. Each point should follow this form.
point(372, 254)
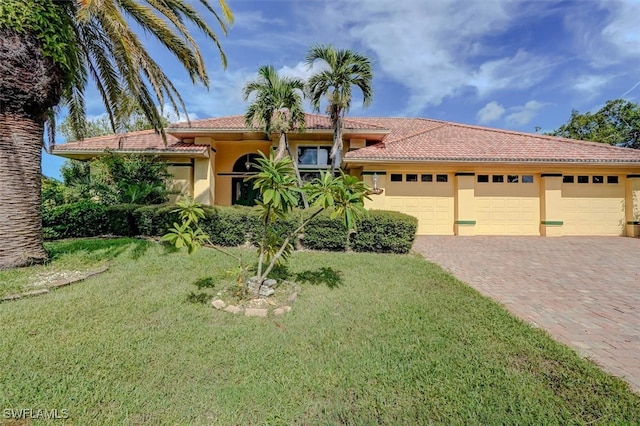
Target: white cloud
point(591, 85)
point(490, 112)
point(521, 115)
point(436, 49)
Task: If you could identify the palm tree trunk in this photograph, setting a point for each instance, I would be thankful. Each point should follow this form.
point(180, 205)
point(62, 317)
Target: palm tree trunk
point(336, 150)
point(20, 214)
point(282, 147)
point(294, 160)
point(30, 84)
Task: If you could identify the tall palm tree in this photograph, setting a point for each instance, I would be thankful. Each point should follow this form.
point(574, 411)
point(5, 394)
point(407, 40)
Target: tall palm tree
point(277, 108)
point(345, 69)
point(49, 50)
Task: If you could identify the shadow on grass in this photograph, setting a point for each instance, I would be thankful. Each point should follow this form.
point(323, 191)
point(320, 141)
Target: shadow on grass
point(103, 248)
point(327, 276)
point(205, 283)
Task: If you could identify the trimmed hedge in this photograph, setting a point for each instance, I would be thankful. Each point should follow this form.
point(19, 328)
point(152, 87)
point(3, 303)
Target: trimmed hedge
point(385, 232)
point(381, 231)
point(324, 233)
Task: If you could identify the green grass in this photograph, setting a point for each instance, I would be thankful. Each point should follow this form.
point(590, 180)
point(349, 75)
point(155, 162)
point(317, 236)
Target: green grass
point(372, 339)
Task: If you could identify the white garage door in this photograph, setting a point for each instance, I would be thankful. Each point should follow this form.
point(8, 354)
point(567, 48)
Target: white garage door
point(507, 205)
point(593, 208)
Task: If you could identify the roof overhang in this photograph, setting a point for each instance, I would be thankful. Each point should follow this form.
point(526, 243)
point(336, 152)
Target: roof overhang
point(85, 154)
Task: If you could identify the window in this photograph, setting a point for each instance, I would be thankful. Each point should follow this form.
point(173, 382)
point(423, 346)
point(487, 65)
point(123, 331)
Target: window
point(442, 178)
point(567, 179)
point(497, 178)
point(395, 177)
point(512, 179)
point(612, 179)
point(412, 178)
point(483, 178)
point(426, 178)
point(313, 156)
point(583, 179)
point(527, 178)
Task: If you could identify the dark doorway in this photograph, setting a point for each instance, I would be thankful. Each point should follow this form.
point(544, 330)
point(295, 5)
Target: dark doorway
point(242, 192)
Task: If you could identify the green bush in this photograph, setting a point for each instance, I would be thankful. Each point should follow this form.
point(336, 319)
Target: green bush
point(324, 233)
point(385, 232)
point(81, 219)
point(121, 220)
point(226, 226)
point(381, 231)
point(153, 221)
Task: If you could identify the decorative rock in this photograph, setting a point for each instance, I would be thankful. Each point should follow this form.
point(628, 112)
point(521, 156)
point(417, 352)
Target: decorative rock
point(266, 291)
point(60, 283)
point(12, 297)
point(286, 308)
point(233, 309)
point(278, 311)
point(218, 304)
point(269, 283)
point(253, 312)
point(293, 297)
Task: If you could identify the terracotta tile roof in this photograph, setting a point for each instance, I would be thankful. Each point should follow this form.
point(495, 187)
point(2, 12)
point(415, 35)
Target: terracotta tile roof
point(140, 141)
point(236, 122)
point(417, 139)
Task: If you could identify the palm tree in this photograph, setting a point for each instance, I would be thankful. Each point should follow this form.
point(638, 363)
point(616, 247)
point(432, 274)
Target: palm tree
point(49, 50)
point(345, 69)
point(277, 108)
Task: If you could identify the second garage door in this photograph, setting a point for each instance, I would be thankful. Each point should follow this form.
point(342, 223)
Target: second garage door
point(507, 205)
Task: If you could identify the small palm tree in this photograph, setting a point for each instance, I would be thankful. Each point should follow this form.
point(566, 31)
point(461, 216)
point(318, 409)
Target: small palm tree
point(277, 108)
point(345, 69)
point(49, 50)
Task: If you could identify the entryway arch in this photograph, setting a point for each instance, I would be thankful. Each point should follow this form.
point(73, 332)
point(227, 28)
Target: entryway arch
point(242, 192)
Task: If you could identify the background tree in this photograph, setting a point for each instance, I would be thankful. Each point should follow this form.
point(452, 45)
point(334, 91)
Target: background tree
point(345, 69)
point(277, 108)
point(133, 121)
point(48, 52)
point(617, 123)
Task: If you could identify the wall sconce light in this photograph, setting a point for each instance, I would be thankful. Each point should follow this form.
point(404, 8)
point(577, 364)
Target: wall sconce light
point(375, 190)
point(248, 163)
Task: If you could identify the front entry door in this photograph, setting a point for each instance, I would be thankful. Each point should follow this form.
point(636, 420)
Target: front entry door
point(242, 193)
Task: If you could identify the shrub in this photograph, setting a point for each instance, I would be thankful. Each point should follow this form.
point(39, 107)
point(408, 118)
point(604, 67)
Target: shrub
point(324, 233)
point(81, 219)
point(385, 232)
point(154, 220)
point(226, 226)
point(121, 220)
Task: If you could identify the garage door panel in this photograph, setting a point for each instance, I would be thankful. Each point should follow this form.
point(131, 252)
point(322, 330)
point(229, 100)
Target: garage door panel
point(434, 214)
point(593, 209)
point(507, 209)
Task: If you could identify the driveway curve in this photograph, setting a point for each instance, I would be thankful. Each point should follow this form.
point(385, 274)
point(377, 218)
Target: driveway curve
point(585, 291)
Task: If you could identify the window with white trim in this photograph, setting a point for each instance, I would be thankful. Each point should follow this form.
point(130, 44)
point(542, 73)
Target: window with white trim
point(314, 156)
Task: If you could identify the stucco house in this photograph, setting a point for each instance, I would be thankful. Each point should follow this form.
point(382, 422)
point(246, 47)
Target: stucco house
point(456, 179)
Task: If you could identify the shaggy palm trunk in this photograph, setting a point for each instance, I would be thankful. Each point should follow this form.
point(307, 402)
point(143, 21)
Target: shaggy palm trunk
point(30, 84)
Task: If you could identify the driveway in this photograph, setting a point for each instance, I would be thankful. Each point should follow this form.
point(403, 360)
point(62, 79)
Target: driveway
point(585, 291)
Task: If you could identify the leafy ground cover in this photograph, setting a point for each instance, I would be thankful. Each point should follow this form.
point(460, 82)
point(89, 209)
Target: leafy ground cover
point(372, 339)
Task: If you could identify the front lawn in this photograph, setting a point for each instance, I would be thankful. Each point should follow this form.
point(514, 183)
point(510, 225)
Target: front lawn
point(372, 339)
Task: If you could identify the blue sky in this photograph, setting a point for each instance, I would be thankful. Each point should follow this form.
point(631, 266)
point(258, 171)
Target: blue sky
point(511, 64)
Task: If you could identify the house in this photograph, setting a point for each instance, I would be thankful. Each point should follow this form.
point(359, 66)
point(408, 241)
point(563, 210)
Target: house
point(456, 179)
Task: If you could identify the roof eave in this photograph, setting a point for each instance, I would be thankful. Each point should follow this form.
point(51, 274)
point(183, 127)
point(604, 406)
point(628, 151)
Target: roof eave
point(78, 152)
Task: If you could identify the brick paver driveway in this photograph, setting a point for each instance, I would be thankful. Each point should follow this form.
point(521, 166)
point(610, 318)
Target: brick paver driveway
point(585, 291)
